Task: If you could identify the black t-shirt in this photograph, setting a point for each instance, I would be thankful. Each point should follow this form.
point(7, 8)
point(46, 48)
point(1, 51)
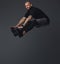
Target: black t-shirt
point(35, 12)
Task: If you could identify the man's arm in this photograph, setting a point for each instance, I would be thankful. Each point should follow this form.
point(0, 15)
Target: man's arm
point(22, 20)
point(27, 20)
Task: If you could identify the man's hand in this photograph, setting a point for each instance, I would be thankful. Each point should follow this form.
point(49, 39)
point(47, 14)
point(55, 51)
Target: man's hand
point(20, 27)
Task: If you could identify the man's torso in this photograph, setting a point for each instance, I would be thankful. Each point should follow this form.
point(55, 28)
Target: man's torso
point(36, 13)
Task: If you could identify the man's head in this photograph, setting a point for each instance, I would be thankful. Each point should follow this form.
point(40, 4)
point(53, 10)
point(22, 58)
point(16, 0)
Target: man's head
point(28, 5)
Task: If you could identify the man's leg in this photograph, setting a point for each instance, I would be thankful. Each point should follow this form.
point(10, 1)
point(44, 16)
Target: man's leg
point(28, 26)
point(22, 31)
point(25, 29)
point(42, 22)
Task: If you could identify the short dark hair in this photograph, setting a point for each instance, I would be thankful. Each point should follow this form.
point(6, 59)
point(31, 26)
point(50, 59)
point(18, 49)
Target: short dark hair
point(28, 1)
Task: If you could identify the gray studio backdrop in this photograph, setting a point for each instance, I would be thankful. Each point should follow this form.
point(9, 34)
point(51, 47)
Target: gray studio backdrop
point(39, 46)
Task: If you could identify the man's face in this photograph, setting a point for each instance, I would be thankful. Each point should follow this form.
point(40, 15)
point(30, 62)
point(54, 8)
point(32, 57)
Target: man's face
point(28, 5)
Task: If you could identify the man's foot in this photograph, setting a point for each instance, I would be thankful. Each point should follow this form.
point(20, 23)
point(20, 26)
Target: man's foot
point(20, 32)
point(14, 31)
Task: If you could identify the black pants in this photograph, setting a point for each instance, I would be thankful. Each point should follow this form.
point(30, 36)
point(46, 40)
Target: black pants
point(30, 25)
point(36, 23)
point(42, 22)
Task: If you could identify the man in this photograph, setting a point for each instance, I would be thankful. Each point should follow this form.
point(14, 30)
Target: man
point(33, 17)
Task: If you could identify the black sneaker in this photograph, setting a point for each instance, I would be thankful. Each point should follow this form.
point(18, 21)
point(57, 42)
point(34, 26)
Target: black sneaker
point(14, 31)
point(20, 32)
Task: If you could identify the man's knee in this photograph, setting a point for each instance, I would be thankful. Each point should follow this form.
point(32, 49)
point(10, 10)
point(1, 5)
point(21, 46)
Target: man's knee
point(42, 22)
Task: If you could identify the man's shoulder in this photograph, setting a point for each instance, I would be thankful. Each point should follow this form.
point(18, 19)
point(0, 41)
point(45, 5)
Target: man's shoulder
point(35, 8)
